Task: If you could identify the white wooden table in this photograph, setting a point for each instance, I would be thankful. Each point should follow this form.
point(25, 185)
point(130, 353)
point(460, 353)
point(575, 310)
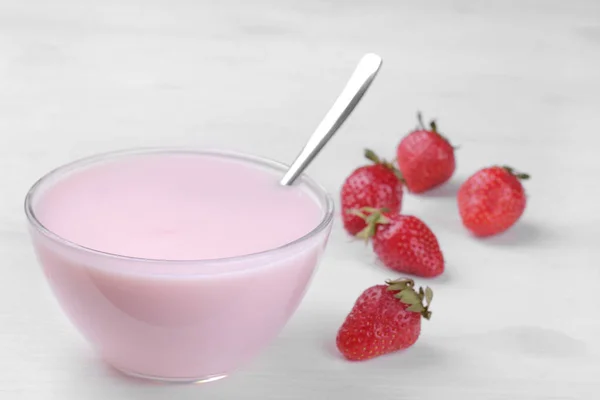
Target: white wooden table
point(515, 82)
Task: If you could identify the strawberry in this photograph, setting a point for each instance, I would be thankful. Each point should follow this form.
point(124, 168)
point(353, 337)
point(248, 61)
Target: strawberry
point(402, 242)
point(425, 158)
point(384, 319)
point(492, 200)
point(377, 185)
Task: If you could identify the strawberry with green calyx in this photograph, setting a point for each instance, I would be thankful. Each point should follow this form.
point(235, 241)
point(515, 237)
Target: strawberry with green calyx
point(384, 319)
point(492, 200)
point(376, 185)
point(425, 157)
point(405, 291)
point(403, 243)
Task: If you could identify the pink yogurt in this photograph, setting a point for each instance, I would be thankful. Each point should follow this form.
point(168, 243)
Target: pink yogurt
point(177, 265)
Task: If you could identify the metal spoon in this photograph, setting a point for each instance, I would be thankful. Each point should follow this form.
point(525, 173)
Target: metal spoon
point(354, 90)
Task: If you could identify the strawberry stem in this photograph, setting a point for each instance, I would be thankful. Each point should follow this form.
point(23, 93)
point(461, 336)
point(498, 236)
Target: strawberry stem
point(417, 301)
point(518, 175)
point(420, 120)
point(433, 126)
point(371, 156)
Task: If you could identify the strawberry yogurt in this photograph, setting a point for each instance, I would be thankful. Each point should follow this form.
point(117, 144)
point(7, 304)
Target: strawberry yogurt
point(177, 265)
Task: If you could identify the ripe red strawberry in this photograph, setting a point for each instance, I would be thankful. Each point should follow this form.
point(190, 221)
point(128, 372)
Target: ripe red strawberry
point(384, 319)
point(425, 158)
point(402, 242)
point(492, 200)
point(377, 185)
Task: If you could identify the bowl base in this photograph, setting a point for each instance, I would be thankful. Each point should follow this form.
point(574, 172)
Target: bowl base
point(160, 379)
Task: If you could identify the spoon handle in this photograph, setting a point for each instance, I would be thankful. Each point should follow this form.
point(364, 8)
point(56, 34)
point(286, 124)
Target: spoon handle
point(354, 90)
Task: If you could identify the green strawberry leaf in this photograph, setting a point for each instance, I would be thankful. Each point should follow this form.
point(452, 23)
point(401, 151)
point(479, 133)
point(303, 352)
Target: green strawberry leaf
point(409, 297)
point(396, 287)
point(428, 295)
point(417, 307)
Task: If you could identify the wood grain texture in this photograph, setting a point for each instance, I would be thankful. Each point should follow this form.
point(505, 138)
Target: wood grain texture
point(515, 82)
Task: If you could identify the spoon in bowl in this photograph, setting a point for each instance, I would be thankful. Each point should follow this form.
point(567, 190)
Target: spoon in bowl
point(359, 82)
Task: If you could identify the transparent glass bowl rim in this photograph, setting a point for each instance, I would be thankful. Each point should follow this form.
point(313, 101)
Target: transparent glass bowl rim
point(325, 200)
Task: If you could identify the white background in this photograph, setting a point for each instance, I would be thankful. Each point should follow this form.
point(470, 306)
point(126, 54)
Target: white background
point(515, 82)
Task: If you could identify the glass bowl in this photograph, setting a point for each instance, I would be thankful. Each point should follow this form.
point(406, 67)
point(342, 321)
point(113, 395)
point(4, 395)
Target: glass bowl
point(177, 320)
